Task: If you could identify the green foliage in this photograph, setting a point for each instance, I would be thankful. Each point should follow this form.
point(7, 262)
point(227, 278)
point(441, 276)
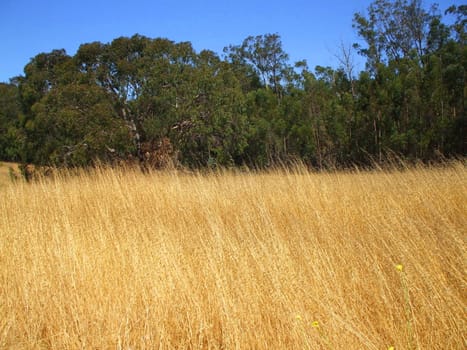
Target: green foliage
point(10, 133)
point(126, 99)
point(74, 125)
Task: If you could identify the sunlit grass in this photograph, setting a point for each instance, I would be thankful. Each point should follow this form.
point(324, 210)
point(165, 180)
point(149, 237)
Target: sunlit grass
point(8, 171)
point(278, 260)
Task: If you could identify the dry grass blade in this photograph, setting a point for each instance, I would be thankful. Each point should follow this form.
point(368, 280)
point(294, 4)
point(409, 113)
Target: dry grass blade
point(118, 259)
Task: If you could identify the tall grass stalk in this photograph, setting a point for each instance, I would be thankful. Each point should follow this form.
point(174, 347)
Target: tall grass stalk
point(227, 260)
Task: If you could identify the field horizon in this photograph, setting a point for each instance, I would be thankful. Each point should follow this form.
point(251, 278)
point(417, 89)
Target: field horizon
point(285, 259)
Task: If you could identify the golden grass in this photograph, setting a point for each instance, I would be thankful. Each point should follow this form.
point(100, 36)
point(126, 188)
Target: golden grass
point(5, 173)
point(281, 260)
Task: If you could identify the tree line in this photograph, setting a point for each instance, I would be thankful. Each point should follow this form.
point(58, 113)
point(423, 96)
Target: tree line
point(161, 103)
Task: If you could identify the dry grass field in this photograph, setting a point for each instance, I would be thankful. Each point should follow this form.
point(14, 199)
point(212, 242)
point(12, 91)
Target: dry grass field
point(282, 260)
point(5, 173)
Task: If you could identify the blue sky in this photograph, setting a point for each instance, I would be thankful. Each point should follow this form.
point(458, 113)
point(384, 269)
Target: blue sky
point(311, 30)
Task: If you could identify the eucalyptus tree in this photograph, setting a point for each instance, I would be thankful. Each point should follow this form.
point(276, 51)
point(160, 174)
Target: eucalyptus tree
point(394, 29)
point(117, 68)
point(44, 73)
point(264, 53)
point(10, 132)
point(407, 47)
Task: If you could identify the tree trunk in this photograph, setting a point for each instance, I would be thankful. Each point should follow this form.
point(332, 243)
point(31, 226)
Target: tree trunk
point(132, 125)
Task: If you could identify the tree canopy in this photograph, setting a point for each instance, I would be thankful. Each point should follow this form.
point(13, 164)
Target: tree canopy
point(147, 100)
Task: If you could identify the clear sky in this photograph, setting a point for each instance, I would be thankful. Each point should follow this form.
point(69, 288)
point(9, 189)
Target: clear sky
point(311, 30)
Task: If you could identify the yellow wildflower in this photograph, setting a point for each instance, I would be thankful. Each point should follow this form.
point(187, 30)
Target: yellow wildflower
point(315, 324)
point(399, 267)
